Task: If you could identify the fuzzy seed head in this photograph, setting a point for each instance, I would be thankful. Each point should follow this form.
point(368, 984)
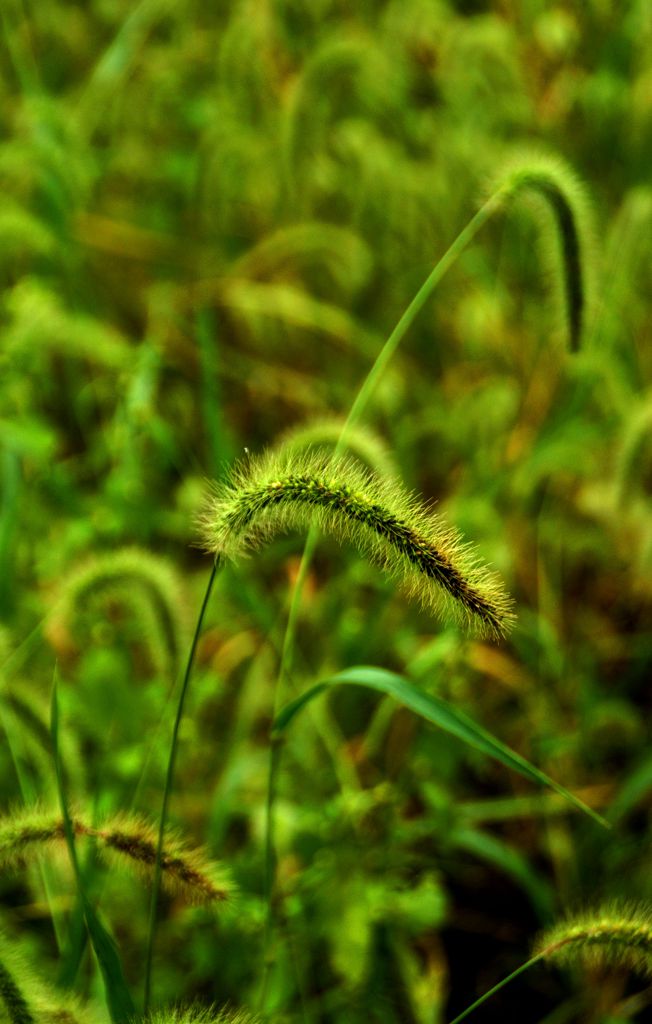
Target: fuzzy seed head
point(613, 935)
point(200, 1015)
point(146, 584)
point(25, 998)
point(282, 491)
point(123, 841)
point(553, 181)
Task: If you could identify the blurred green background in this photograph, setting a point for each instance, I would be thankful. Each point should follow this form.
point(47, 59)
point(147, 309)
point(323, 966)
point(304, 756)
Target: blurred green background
point(211, 217)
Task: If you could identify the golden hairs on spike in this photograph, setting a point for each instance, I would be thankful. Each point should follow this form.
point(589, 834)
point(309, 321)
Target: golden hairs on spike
point(122, 840)
point(281, 491)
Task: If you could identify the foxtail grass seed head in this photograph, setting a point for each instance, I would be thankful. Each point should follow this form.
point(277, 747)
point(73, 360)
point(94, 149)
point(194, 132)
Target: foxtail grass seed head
point(184, 870)
point(556, 183)
point(282, 491)
point(123, 841)
point(23, 835)
point(200, 1015)
point(25, 998)
point(12, 999)
point(149, 587)
point(616, 935)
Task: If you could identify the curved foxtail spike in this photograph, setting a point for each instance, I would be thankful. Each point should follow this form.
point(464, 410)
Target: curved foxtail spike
point(613, 935)
point(557, 184)
point(123, 840)
point(281, 491)
point(183, 870)
point(13, 1000)
point(27, 998)
point(149, 586)
point(200, 1015)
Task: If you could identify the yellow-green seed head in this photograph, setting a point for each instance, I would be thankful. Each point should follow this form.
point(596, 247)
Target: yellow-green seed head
point(123, 841)
point(612, 935)
point(282, 491)
point(540, 175)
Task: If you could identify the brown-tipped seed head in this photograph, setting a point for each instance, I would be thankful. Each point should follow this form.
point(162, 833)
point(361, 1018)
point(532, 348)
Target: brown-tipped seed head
point(127, 841)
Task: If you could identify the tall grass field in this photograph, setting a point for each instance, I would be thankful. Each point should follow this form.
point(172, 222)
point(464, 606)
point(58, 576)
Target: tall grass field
point(325, 512)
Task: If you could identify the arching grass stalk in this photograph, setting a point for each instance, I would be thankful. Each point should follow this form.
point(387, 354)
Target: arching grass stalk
point(558, 186)
point(355, 414)
point(611, 936)
point(555, 183)
point(169, 777)
point(283, 490)
point(552, 180)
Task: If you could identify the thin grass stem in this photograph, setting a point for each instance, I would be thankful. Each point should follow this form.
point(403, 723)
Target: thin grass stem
point(357, 410)
point(167, 790)
point(496, 988)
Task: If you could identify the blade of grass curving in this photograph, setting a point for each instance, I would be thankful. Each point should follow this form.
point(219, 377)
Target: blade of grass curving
point(167, 790)
point(495, 202)
point(529, 172)
point(436, 711)
point(119, 1002)
point(363, 397)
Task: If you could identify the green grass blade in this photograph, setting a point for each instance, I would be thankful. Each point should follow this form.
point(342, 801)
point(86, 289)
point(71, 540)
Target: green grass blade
point(438, 712)
point(120, 1005)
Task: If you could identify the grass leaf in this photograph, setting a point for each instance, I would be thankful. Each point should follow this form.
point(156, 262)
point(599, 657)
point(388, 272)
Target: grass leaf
point(438, 712)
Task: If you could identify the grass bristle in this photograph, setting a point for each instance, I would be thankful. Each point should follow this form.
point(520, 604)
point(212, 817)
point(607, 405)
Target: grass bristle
point(615, 935)
point(281, 491)
point(123, 840)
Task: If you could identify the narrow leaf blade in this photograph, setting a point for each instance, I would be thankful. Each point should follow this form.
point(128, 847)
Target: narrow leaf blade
point(438, 712)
